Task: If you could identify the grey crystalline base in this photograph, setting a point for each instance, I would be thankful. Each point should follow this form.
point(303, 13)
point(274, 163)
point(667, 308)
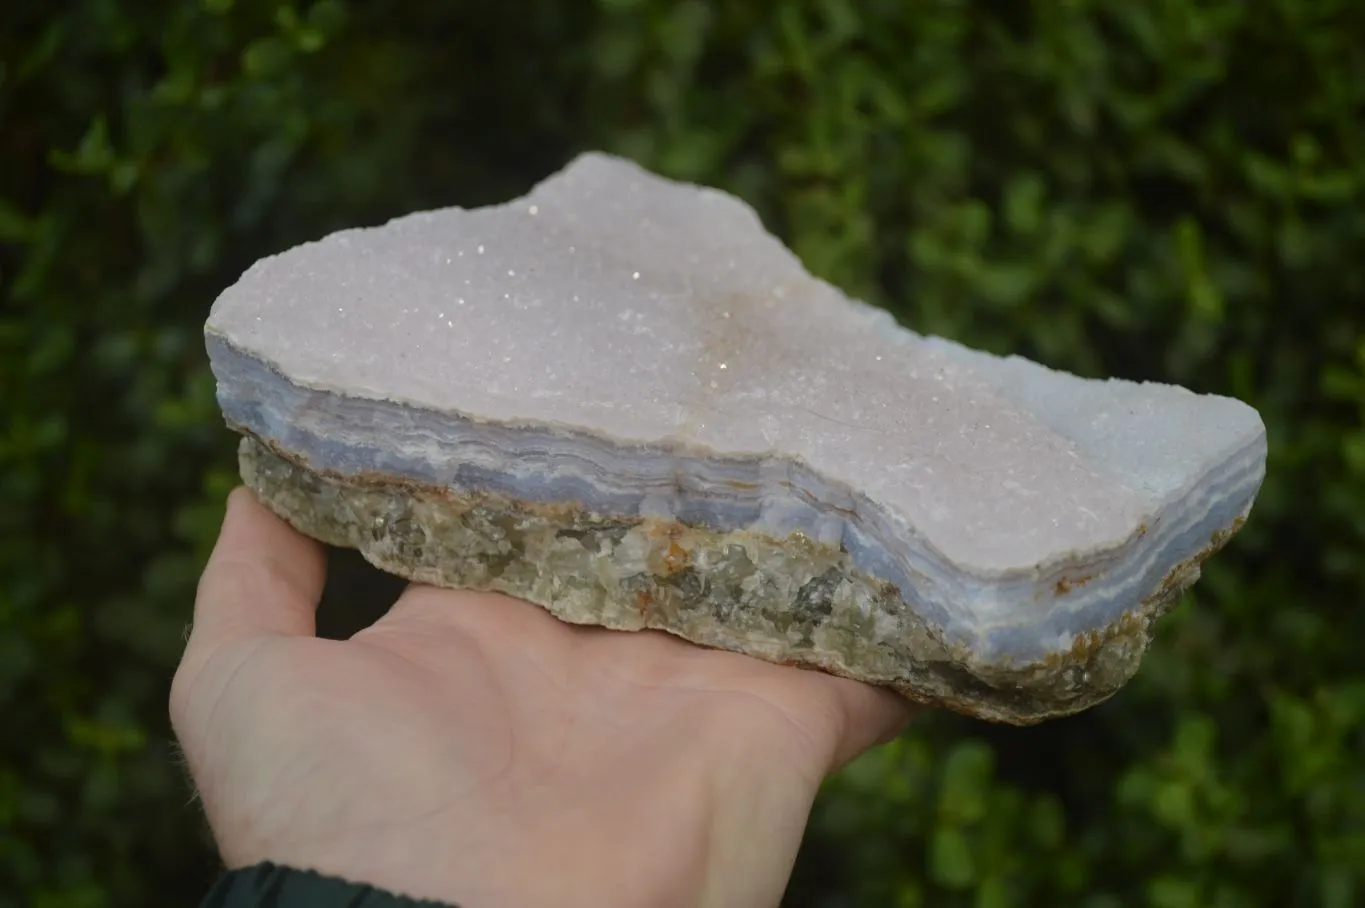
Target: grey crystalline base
point(621, 399)
point(792, 601)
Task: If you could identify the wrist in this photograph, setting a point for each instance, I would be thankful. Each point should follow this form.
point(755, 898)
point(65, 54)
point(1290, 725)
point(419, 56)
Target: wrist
point(672, 833)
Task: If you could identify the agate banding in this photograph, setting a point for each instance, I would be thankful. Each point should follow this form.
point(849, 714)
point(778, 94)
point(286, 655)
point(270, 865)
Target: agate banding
point(622, 399)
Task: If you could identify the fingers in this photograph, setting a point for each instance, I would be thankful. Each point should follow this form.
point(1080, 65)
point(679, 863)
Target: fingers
point(496, 618)
point(263, 578)
point(872, 716)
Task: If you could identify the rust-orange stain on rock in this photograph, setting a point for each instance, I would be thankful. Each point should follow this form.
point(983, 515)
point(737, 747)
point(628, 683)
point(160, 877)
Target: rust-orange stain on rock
point(643, 601)
point(1067, 584)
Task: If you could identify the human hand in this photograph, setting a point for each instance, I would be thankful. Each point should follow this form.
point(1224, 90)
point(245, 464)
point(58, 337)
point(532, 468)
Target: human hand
point(470, 748)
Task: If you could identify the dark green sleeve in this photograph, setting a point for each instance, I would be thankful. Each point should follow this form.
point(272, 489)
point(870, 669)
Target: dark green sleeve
point(273, 886)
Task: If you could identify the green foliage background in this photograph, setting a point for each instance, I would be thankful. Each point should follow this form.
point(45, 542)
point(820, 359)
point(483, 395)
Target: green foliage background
point(1157, 189)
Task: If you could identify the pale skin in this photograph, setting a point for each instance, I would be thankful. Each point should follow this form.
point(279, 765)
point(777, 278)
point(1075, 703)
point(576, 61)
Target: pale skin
point(470, 748)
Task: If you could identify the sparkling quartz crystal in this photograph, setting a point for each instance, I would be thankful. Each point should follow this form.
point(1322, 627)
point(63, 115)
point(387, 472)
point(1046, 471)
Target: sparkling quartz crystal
point(620, 398)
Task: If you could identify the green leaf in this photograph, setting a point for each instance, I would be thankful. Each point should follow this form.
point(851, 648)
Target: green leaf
point(950, 859)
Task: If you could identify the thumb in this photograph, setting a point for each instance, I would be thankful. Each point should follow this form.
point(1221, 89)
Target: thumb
point(263, 579)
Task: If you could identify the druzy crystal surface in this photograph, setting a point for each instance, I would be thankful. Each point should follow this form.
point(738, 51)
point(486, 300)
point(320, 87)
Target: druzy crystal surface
point(620, 398)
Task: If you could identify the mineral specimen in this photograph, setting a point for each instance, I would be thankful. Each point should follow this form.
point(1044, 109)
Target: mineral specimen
point(620, 398)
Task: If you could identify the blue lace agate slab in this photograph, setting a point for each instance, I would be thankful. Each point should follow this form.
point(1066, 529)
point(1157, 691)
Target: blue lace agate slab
point(621, 398)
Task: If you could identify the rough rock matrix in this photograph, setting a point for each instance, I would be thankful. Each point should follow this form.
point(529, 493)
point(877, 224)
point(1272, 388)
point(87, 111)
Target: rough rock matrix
point(621, 399)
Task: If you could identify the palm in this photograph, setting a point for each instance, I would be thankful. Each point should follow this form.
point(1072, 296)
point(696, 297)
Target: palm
point(541, 759)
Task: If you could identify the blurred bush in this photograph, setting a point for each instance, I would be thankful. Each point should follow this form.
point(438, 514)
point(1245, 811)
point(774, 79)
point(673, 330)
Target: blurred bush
point(1162, 189)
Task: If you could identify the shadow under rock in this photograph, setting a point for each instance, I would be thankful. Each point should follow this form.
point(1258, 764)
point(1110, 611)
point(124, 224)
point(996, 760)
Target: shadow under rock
point(357, 594)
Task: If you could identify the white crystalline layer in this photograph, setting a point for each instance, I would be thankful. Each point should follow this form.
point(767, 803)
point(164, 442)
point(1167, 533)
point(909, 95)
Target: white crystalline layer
point(638, 345)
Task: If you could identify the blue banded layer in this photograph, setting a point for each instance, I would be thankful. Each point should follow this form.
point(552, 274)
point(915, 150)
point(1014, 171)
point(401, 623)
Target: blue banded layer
point(1008, 618)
